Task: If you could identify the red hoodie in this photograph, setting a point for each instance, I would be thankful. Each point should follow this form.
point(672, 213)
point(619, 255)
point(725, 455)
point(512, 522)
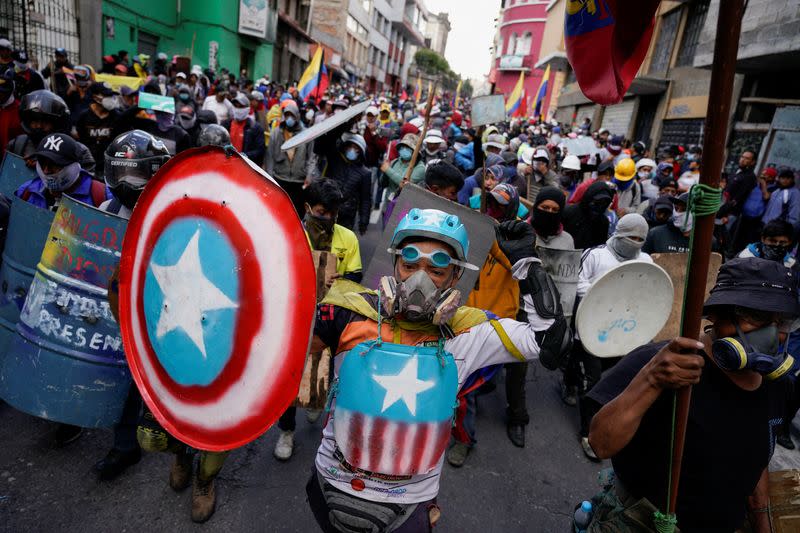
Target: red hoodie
point(10, 126)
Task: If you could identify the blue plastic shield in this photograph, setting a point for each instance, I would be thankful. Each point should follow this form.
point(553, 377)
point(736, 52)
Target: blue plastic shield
point(28, 227)
point(13, 173)
point(66, 362)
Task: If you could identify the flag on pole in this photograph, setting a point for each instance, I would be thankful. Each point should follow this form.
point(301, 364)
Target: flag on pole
point(523, 106)
point(515, 98)
point(540, 94)
point(418, 90)
point(458, 95)
point(314, 81)
point(606, 42)
point(403, 97)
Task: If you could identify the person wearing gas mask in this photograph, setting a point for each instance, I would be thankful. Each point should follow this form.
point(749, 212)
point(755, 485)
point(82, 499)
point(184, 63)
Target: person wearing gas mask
point(738, 371)
point(292, 168)
point(402, 355)
point(675, 234)
point(777, 241)
point(130, 161)
point(584, 369)
point(247, 136)
point(95, 125)
point(42, 113)
point(322, 201)
point(587, 221)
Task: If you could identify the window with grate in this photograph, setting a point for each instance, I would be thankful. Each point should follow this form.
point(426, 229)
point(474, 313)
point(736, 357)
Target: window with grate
point(691, 34)
point(666, 39)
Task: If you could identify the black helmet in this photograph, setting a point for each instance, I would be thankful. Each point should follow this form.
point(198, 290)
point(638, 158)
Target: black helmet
point(43, 105)
point(213, 135)
point(130, 161)
point(206, 116)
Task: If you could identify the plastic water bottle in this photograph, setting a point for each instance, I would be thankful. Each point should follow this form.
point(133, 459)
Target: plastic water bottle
point(583, 517)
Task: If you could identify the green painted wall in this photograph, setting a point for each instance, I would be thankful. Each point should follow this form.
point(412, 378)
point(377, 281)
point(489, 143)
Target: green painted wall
point(199, 23)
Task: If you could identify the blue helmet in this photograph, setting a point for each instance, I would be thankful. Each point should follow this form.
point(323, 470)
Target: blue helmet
point(436, 225)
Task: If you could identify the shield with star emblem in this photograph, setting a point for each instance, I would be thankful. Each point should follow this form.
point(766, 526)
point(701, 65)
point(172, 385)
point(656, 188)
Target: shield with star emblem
point(217, 298)
point(394, 407)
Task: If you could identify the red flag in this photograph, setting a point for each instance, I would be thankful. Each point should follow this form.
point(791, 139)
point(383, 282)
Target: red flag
point(522, 110)
point(404, 96)
point(606, 43)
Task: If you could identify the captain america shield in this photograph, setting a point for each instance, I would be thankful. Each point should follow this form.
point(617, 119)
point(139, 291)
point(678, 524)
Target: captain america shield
point(217, 299)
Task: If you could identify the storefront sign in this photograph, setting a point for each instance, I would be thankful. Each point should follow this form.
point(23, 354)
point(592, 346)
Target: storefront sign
point(253, 15)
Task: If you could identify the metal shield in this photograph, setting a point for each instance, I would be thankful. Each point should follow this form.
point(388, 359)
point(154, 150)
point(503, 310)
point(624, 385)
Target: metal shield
point(66, 362)
point(329, 124)
point(217, 298)
point(563, 267)
point(624, 309)
point(13, 173)
point(479, 226)
point(28, 227)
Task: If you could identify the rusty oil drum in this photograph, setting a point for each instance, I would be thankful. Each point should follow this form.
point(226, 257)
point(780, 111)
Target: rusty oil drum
point(65, 362)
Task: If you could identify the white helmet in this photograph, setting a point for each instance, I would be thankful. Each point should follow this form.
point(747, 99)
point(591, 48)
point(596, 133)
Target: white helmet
point(571, 162)
point(645, 162)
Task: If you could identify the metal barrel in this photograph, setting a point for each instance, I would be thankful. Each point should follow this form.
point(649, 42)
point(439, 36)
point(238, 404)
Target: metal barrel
point(65, 362)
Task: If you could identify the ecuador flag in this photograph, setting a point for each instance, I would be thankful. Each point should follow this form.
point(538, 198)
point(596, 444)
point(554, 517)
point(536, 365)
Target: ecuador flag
point(540, 94)
point(515, 98)
point(314, 81)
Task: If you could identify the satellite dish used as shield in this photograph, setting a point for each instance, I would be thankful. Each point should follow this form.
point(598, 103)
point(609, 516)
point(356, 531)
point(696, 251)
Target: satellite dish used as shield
point(329, 124)
point(624, 309)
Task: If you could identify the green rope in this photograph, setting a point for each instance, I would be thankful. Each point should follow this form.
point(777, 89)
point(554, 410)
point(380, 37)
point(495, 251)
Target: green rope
point(704, 200)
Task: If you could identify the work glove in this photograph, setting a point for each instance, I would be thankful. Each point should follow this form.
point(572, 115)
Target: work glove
point(516, 239)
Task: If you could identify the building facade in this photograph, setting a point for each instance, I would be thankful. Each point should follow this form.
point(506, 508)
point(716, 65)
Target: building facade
point(437, 31)
point(234, 34)
point(41, 27)
point(518, 40)
point(292, 41)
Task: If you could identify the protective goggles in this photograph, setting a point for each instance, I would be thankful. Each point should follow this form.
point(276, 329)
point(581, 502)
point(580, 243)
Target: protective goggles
point(437, 258)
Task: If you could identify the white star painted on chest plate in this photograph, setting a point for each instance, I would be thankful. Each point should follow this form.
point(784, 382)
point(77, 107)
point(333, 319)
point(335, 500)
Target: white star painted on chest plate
point(188, 295)
point(403, 386)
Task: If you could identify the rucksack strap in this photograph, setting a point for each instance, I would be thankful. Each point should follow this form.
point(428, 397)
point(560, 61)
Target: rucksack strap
point(115, 206)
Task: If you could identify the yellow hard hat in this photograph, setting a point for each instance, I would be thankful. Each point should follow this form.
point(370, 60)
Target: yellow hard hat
point(625, 170)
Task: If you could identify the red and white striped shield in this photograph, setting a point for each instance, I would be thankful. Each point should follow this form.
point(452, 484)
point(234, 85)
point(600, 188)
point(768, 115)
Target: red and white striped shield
point(217, 299)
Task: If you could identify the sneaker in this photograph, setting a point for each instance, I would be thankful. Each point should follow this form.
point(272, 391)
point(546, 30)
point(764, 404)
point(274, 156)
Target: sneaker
point(66, 434)
point(115, 463)
point(588, 451)
point(569, 395)
point(284, 446)
point(457, 454)
point(204, 500)
point(312, 415)
point(785, 441)
point(180, 475)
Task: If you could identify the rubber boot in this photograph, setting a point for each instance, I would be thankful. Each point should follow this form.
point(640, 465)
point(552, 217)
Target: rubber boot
point(180, 475)
point(204, 499)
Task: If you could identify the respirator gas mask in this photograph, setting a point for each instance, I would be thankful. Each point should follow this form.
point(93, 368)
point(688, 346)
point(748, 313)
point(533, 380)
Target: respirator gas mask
point(418, 299)
point(759, 350)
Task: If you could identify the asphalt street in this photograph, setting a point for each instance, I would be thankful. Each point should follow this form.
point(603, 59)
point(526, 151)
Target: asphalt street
point(501, 487)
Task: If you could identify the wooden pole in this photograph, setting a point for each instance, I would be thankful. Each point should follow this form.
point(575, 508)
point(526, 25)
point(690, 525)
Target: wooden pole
point(723, 69)
point(412, 163)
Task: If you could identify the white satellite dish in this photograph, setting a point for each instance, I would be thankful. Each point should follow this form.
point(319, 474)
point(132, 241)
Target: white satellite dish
point(624, 309)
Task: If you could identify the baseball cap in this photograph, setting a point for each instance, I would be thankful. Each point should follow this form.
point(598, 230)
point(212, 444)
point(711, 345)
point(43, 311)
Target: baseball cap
point(180, 75)
point(615, 143)
point(606, 167)
point(757, 284)
point(433, 136)
point(663, 202)
point(602, 131)
point(59, 148)
point(682, 198)
point(127, 91)
point(371, 110)
point(242, 100)
point(101, 88)
point(496, 140)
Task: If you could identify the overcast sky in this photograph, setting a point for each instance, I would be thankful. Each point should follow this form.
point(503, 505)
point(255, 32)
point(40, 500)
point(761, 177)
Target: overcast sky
point(472, 30)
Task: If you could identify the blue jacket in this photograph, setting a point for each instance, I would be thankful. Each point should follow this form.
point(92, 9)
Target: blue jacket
point(465, 159)
point(784, 203)
point(82, 191)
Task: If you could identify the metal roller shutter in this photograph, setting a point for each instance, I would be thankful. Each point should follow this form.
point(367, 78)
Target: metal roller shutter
point(617, 118)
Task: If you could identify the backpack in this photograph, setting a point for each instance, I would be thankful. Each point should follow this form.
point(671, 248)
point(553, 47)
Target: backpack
point(754, 206)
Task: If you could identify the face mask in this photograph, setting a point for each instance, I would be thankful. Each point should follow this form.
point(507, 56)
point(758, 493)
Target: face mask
point(624, 248)
point(758, 350)
point(545, 223)
point(774, 252)
point(126, 194)
point(432, 152)
point(351, 154)
point(83, 84)
point(240, 113)
point(61, 180)
point(683, 221)
point(184, 97)
point(598, 208)
point(164, 121)
point(186, 121)
point(405, 153)
point(643, 174)
point(290, 122)
point(109, 103)
point(418, 299)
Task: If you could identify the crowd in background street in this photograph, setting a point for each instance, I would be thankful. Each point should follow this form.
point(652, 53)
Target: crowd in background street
point(616, 199)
